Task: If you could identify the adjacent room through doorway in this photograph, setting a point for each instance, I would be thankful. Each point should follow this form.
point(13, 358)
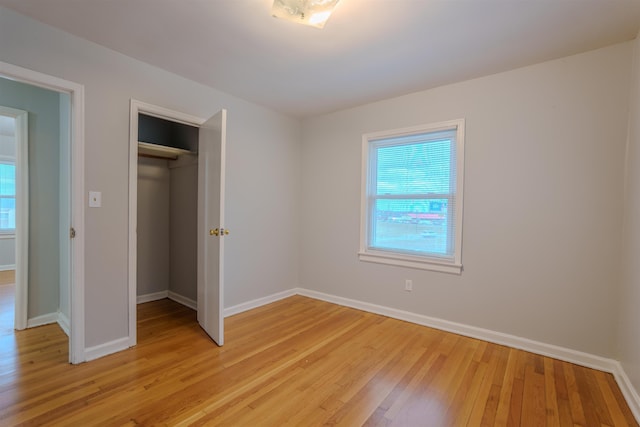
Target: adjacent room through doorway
point(35, 253)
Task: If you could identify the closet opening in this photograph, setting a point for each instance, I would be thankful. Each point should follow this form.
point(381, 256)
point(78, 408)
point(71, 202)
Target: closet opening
point(176, 213)
point(167, 211)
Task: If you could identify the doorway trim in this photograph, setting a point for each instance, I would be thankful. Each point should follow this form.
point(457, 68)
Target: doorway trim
point(21, 236)
point(76, 288)
point(137, 107)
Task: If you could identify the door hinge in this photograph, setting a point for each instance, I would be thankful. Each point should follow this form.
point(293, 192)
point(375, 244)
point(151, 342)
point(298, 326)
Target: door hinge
point(72, 233)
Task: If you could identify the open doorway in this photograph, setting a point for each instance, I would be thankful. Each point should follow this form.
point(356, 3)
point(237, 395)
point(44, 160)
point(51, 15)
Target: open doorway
point(48, 202)
point(34, 203)
point(167, 211)
point(14, 214)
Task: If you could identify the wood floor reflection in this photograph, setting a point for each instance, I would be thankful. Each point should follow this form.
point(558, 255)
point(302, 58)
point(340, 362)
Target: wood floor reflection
point(7, 301)
point(299, 362)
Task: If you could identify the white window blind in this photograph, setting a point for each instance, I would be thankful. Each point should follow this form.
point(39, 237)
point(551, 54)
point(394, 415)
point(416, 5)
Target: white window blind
point(412, 200)
point(7, 197)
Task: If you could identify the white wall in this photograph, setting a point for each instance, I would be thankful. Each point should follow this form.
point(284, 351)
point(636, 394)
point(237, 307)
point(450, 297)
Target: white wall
point(543, 201)
point(629, 320)
point(262, 174)
point(8, 146)
point(7, 252)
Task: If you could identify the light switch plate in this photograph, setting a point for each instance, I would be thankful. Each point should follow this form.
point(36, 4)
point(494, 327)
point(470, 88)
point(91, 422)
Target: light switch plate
point(95, 199)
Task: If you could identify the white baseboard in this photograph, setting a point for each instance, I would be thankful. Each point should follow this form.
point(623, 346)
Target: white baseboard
point(95, 352)
point(628, 391)
point(152, 297)
point(44, 319)
point(140, 299)
point(7, 267)
point(245, 306)
point(188, 302)
point(63, 321)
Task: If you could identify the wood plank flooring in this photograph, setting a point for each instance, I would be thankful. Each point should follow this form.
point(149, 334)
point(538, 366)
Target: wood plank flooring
point(7, 309)
point(299, 362)
point(7, 277)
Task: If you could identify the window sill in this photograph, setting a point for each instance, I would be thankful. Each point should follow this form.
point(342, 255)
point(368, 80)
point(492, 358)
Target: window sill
point(410, 262)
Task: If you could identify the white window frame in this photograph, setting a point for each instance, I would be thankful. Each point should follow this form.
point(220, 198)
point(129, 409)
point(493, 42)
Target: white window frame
point(6, 160)
point(402, 259)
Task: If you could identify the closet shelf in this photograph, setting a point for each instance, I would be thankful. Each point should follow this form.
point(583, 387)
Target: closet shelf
point(145, 148)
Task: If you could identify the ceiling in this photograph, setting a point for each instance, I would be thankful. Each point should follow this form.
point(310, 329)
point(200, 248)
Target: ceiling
point(369, 50)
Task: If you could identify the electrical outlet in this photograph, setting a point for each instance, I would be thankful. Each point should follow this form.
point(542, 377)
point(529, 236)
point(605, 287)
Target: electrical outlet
point(408, 285)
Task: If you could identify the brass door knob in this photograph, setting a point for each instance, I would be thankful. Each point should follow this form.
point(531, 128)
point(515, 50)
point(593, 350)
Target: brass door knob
point(215, 232)
point(226, 231)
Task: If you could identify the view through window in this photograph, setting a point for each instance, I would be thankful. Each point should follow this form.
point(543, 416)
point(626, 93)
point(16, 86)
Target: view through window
point(7, 197)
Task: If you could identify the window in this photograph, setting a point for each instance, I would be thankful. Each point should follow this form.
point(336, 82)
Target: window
point(412, 197)
point(7, 198)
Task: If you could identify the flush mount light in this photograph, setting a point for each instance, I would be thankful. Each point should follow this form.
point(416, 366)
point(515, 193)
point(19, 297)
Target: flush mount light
point(308, 12)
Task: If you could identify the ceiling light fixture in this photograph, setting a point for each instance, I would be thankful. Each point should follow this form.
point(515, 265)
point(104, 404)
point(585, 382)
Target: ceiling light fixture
point(308, 12)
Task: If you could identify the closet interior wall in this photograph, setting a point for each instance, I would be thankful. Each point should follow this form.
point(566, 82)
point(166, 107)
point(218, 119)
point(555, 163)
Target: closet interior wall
point(166, 234)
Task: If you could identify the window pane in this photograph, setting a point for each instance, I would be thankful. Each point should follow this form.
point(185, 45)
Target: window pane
point(7, 213)
point(7, 179)
point(411, 225)
point(415, 168)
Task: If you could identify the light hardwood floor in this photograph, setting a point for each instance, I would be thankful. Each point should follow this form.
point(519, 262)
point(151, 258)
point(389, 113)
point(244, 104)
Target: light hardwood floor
point(7, 307)
point(7, 277)
point(302, 362)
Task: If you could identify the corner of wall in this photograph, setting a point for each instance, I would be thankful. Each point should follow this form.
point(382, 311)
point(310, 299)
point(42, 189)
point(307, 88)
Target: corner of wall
point(626, 347)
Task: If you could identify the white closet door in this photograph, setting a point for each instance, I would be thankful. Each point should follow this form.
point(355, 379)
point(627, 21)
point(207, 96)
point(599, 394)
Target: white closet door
point(211, 231)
